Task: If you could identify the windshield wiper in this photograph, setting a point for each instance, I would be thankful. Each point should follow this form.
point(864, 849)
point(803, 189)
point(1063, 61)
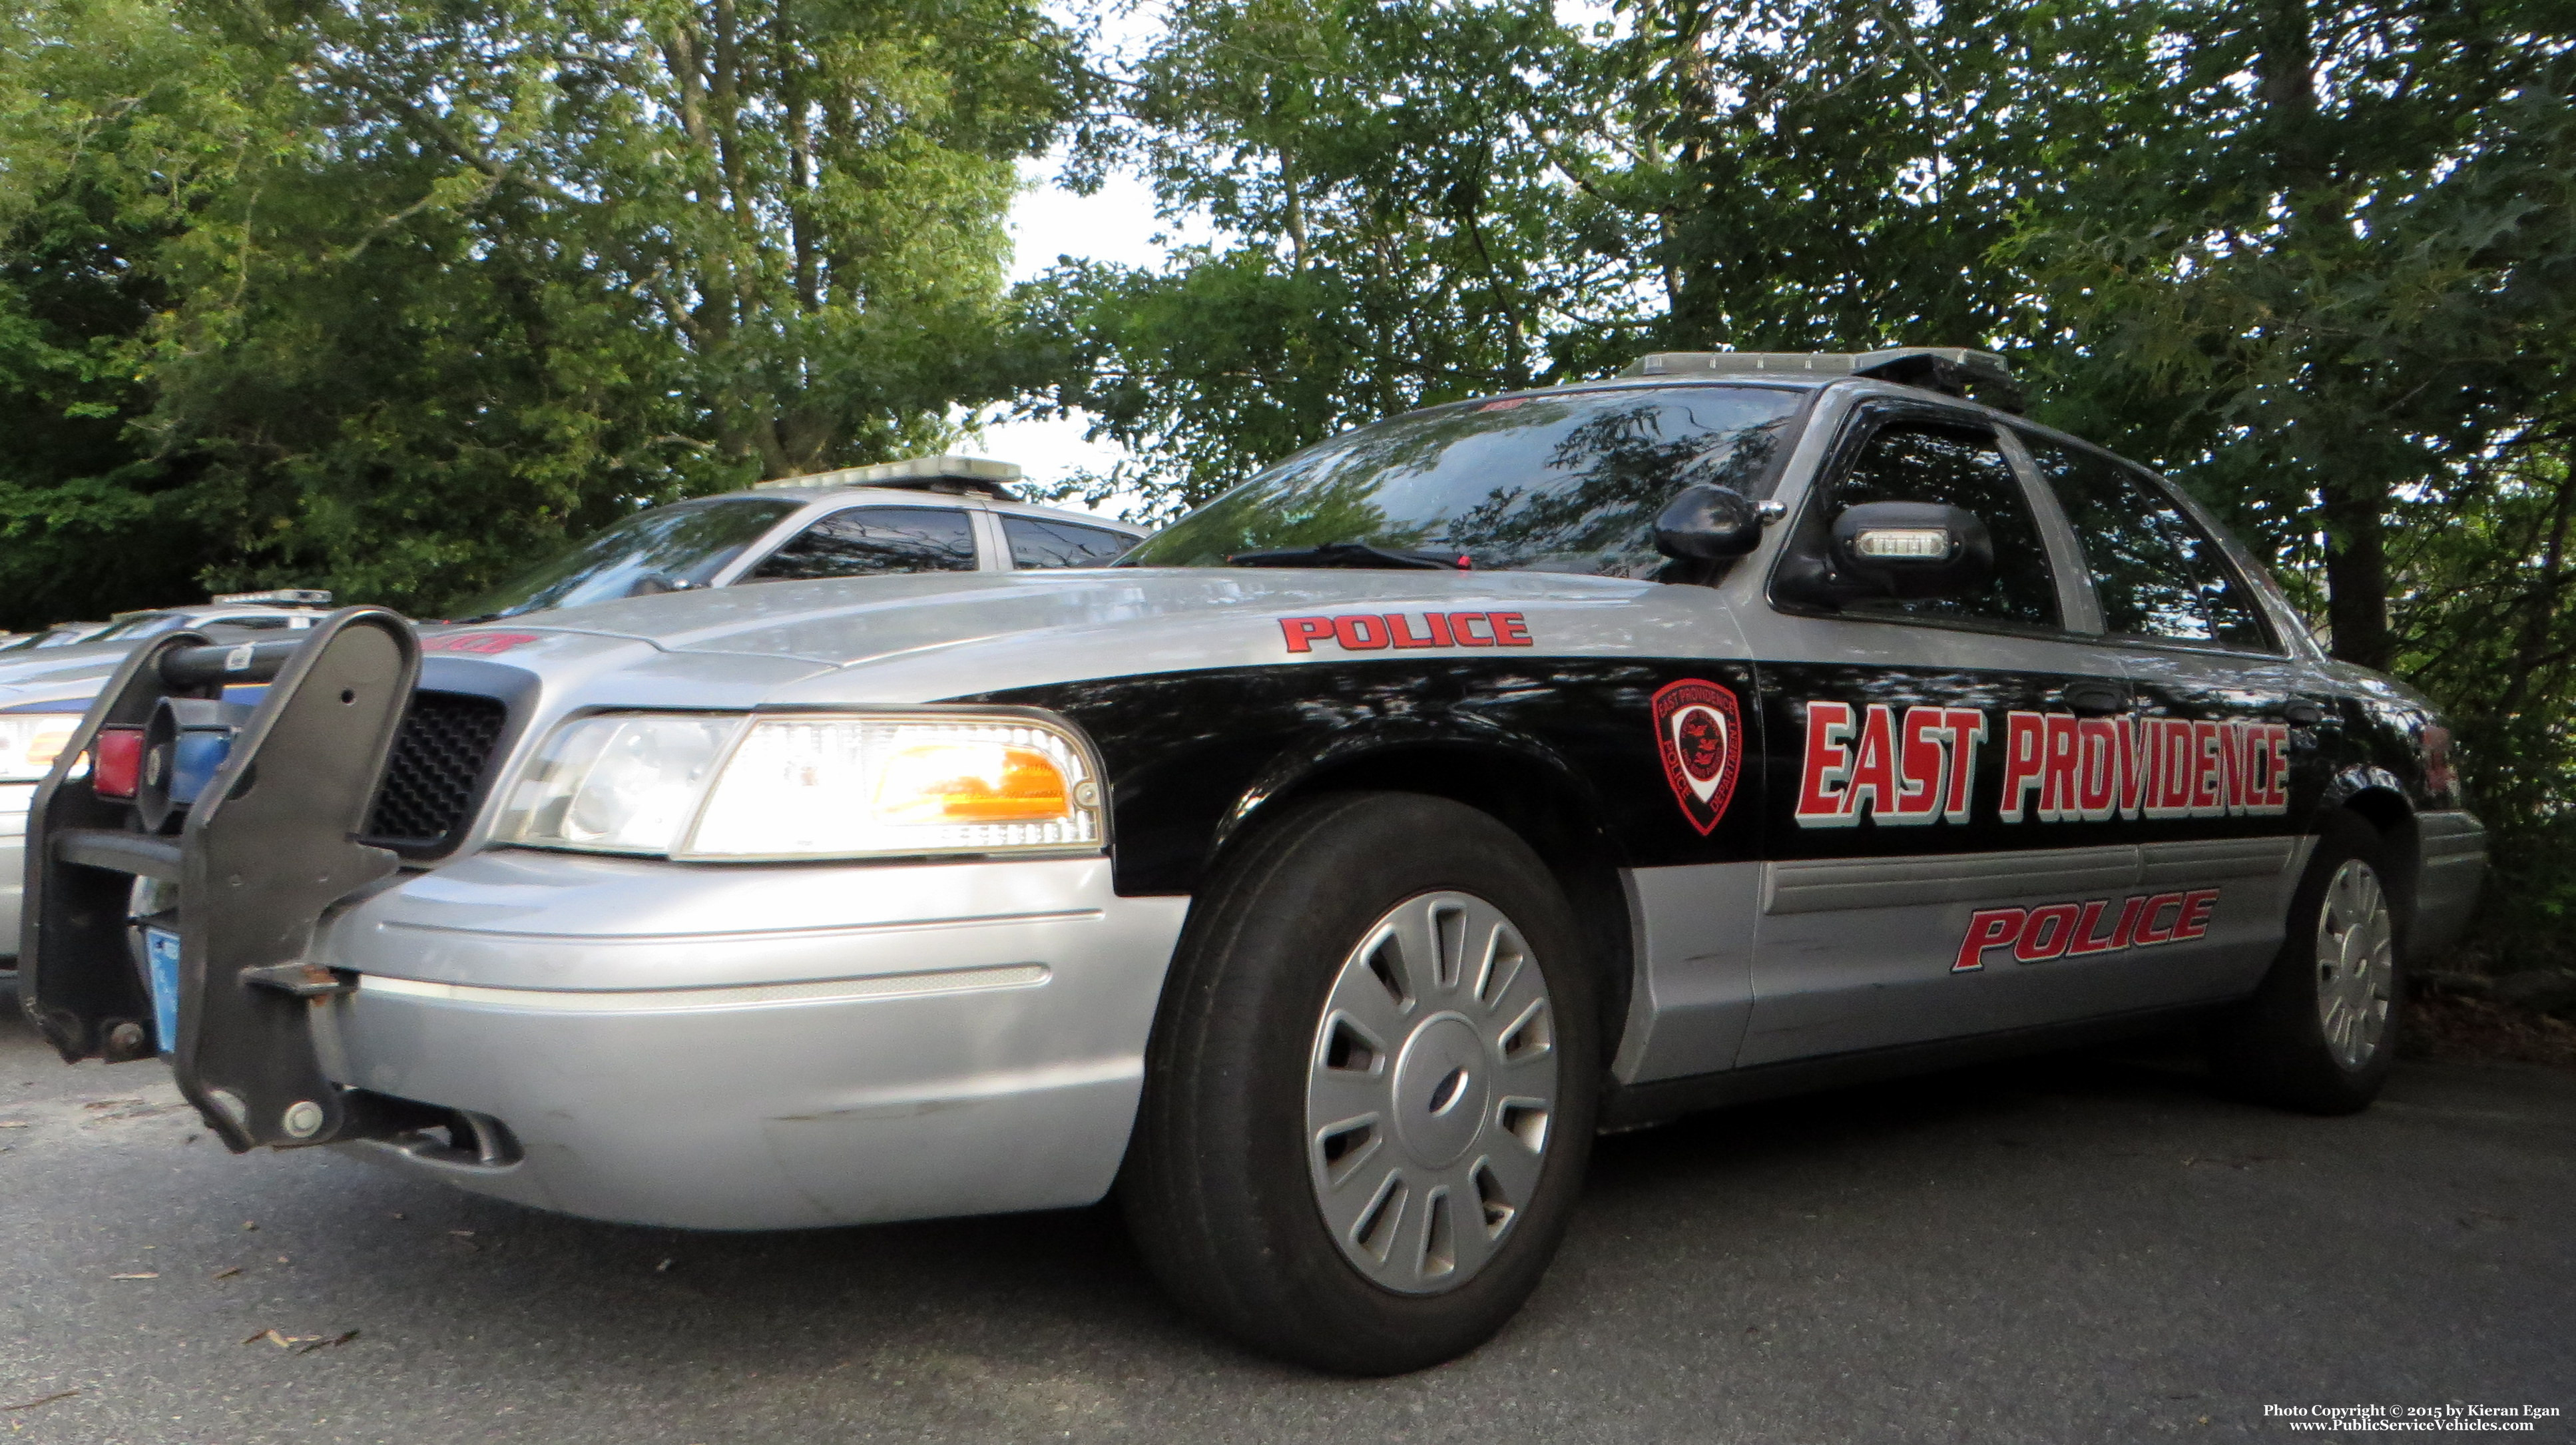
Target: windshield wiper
point(1349, 554)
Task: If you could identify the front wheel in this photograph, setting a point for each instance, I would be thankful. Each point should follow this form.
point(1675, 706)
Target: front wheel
point(1371, 1088)
point(2320, 1035)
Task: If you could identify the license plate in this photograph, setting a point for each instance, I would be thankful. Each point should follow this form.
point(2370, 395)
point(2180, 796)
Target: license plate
point(161, 962)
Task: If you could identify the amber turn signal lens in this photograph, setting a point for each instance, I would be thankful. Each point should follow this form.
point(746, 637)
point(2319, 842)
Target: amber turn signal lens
point(971, 782)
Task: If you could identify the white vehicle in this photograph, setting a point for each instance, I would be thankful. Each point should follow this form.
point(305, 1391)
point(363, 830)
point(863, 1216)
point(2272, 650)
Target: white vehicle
point(929, 514)
point(1321, 877)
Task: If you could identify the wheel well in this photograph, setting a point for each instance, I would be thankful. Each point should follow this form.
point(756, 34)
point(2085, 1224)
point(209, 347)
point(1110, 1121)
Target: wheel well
point(1540, 806)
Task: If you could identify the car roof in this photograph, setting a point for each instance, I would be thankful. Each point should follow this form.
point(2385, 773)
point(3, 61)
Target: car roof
point(926, 496)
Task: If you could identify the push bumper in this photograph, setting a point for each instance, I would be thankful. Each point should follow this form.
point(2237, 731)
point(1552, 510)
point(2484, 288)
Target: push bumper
point(756, 1047)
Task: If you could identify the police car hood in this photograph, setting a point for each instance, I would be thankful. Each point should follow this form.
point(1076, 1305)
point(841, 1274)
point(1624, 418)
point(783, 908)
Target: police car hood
point(930, 636)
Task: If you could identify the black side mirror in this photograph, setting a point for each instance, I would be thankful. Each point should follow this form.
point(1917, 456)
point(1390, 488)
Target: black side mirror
point(1894, 550)
point(1708, 523)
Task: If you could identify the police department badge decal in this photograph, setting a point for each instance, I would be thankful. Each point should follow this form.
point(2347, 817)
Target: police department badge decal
point(1700, 735)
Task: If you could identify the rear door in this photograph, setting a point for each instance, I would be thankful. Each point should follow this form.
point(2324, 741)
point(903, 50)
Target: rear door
point(1046, 543)
point(874, 541)
point(2227, 722)
point(1911, 890)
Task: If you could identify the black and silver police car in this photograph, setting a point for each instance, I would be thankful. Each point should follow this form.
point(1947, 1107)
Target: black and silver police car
point(1320, 878)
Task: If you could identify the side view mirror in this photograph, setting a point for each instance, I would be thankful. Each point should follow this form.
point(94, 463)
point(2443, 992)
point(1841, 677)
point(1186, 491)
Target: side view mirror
point(1708, 523)
point(654, 584)
point(1895, 550)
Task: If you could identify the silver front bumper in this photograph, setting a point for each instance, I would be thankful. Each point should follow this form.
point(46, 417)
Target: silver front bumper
point(14, 798)
point(760, 1047)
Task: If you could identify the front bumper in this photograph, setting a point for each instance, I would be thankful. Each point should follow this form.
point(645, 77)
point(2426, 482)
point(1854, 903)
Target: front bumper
point(758, 1047)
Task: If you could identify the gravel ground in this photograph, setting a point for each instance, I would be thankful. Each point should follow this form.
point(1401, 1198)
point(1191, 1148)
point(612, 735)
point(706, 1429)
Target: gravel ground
point(2069, 1249)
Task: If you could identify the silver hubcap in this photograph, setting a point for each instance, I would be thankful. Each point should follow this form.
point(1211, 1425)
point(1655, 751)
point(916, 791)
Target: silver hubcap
point(1430, 1092)
point(2356, 963)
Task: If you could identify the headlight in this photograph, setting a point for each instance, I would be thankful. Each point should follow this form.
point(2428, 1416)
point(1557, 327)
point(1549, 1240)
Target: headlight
point(810, 786)
point(619, 782)
point(29, 743)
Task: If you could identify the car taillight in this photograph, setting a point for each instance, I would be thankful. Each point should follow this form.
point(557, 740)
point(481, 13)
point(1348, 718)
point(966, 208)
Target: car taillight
point(116, 761)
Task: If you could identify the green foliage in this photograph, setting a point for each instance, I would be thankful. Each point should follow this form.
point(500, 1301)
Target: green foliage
point(392, 300)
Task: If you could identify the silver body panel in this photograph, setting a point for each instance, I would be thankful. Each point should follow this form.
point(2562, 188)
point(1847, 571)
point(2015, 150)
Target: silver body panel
point(14, 798)
point(761, 1048)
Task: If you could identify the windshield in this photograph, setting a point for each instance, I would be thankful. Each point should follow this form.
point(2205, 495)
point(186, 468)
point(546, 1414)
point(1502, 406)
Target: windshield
point(135, 629)
point(684, 544)
point(1563, 483)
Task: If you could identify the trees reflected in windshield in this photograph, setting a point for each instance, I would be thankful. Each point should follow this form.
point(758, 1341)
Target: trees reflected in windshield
point(1564, 483)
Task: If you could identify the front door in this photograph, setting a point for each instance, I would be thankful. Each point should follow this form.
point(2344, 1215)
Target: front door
point(1933, 843)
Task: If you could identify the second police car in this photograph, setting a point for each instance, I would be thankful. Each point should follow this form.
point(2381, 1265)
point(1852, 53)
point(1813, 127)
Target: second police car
point(1321, 878)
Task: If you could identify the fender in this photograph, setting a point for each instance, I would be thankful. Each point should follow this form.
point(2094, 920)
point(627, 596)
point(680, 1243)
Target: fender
point(1465, 737)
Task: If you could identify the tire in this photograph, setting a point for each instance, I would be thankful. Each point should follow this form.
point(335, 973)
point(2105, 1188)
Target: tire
point(2320, 1034)
point(1242, 1188)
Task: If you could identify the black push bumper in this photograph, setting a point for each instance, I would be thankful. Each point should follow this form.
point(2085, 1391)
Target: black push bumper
point(242, 875)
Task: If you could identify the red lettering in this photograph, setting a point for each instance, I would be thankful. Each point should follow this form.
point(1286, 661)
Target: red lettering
point(1301, 632)
point(2127, 932)
point(2235, 754)
point(2206, 800)
point(1987, 928)
point(1967, 728)
point(1827, 764)
point(2097, 777)
point(1511, 631)
point(1873, 770)
point(1360, 633)
point(2023, 732)
point(2137, 759)
point(1400, 631)
point(2196, 908)
point(2044, 933)
point(1458, 622)
point(1918, 780)
point(1439, 628)
point(2278, 794)
point(2057, 797)
point(2150, 932)
point(2173, 770)
point(2087, 937)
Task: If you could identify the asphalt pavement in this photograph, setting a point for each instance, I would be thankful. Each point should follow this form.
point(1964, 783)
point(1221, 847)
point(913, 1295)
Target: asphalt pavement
point(2068, 1249)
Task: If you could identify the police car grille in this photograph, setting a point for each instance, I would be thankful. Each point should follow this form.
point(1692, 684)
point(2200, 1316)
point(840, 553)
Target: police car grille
point(439, 755)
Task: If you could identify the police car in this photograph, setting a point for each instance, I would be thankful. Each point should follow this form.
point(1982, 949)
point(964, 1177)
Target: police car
point(1321, 878)
point(923, 514)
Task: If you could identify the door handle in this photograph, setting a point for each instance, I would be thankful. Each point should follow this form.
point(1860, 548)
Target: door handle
point(2094, 699)
point(2302, 713)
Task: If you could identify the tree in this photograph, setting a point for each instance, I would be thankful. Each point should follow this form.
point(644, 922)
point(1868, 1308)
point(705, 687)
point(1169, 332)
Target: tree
point(1398, 231)
point(476, 279)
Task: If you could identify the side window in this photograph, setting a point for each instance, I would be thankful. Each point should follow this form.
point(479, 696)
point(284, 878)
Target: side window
point(2158, 574)
point(1038, 542)
point(872, 541)
point(1964, 466)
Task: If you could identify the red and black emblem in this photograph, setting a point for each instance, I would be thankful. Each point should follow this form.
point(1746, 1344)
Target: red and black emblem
point(1700, 733)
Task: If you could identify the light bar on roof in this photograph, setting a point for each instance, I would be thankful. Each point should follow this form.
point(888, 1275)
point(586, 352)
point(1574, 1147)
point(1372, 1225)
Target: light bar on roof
point(283, 596)
point(976, 473)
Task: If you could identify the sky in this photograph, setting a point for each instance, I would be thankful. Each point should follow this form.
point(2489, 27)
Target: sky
point(1048, 222)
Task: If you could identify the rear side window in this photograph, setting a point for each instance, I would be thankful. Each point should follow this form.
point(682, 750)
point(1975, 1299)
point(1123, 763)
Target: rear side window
point(1039, 542)
point(1964, 466)
point(2157, 572)
point(875, 541)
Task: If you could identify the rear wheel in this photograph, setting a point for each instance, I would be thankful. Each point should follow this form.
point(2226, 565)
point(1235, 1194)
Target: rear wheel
point(2321, 1033)
point(1371, 1087)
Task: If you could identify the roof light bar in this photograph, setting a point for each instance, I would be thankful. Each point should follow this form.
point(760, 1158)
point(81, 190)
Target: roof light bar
point(1954, 370)
point(283, 596)
point(944, 473)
